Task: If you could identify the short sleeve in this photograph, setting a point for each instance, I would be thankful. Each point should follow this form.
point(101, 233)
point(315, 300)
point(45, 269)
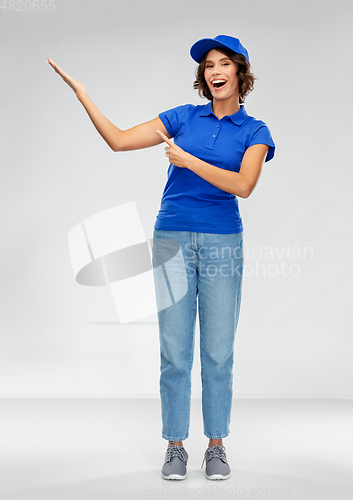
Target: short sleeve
point(174, 118)
point(262, 135)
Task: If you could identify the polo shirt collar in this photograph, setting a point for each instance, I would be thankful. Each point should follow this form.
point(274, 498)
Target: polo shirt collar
point(237, 118)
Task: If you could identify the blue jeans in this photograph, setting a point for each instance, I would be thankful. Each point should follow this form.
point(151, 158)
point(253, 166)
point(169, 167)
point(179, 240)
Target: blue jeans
point(209, 266)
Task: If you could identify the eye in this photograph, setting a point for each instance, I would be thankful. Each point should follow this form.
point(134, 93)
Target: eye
point(225, 64)
point(208, 65)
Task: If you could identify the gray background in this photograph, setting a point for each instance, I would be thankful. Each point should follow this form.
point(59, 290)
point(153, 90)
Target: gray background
point(60, 338)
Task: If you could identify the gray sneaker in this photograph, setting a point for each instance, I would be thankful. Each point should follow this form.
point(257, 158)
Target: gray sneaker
point(176, 459)
point(217, 466)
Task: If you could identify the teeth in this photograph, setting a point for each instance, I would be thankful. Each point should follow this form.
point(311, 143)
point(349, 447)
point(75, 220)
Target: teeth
point(218, 81)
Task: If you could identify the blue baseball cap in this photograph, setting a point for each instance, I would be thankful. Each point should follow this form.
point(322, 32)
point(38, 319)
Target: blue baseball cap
point(199, 49)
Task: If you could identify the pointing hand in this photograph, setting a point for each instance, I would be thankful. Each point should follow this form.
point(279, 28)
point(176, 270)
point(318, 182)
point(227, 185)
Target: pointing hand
point(176, 155)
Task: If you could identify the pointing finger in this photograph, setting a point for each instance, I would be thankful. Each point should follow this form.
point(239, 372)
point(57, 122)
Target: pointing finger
point(165, 138)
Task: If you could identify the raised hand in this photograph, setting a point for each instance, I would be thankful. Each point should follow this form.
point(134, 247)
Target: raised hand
point(176, 155)
point(76, 86)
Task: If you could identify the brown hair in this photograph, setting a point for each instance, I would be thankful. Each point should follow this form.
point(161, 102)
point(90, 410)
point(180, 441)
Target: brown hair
point(246, 78)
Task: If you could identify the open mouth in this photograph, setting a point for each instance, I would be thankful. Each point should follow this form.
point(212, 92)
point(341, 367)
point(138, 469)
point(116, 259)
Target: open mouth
point(218, 84)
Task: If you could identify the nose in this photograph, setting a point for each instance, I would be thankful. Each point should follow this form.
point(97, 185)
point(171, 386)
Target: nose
point(215, 71)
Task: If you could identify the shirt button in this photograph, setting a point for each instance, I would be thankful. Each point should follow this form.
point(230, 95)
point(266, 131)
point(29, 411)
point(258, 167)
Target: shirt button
point(217, 126)
point(213, 136)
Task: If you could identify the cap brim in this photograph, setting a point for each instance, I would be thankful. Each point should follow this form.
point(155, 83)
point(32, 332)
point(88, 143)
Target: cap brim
point(199, 49)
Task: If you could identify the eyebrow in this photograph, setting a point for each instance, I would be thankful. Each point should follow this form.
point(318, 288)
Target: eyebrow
point(223, 59)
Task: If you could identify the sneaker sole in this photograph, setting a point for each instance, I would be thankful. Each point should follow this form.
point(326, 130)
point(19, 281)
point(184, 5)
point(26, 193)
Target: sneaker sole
point(216, 477)
point(174, 476)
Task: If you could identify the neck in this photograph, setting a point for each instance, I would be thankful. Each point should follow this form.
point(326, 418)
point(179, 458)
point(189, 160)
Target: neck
point(225, 107)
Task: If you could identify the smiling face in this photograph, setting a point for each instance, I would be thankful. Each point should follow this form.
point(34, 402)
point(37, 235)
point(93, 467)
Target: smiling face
point(221, 76)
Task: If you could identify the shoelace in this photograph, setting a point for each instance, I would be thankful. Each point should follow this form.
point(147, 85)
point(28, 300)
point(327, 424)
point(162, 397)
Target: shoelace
point(175, 451)
point(216, 451)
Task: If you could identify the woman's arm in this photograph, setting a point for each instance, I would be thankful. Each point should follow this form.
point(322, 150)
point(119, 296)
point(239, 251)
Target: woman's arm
point(240, 183)
point(138, 137)
point(141, 136)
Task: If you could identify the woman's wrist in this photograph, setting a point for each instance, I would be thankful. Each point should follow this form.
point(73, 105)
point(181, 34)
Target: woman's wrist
point(191, 162)
point(81, 94)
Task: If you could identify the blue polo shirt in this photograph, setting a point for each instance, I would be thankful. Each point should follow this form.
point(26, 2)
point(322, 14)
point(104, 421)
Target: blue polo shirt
point(189, 202)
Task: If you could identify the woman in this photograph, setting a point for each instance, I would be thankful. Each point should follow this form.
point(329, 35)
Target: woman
point(217, 155)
